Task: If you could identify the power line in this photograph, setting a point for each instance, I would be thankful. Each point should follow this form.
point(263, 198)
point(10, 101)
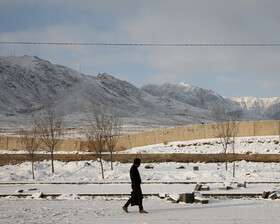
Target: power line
point(147, 44)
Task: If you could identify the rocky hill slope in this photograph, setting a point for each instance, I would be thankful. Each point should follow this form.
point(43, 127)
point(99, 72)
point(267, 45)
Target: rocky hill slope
point(28, 84)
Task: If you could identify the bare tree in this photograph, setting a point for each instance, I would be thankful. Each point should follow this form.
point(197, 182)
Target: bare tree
point(234, 127)
point(103, 131)
point(226, 129)
point(31, 144)
point(50, 128)
point(113, 131)
point(96, 132)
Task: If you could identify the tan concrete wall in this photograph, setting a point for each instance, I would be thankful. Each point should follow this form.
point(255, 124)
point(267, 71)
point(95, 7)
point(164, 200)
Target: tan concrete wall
point(166, 135)
point(193, 132)
point(185, 133)
point(16, 144)
point(246, 129)
point(265, 128)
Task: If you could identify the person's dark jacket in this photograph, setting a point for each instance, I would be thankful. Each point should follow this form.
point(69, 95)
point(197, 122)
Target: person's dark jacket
point(135, 176)
point(136, 194)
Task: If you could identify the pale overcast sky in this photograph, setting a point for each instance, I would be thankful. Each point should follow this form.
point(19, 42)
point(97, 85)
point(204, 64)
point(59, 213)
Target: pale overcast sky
point(229, 71)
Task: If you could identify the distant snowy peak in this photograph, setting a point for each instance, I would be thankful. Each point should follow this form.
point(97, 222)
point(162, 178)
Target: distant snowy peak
point(184, 84)
point(253, 102)
point(267, 107)
point(188, 94)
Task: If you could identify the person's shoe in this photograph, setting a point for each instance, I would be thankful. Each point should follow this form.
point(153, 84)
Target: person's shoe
point(125, 209)
point(143, 212)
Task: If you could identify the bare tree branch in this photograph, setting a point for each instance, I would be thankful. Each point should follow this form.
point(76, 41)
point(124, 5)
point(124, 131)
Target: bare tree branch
point(103, 131)
point(31, 144)
point(226, 129)
point(50, 128)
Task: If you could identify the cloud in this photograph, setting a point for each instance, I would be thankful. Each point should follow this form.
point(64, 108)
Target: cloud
point(271, 84)
point(159, 21)
point(229, 80)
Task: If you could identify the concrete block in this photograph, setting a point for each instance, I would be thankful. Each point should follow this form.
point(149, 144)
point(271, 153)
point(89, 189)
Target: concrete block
point(195, 168)
point(187, 198)
point(241, 184)
point(204, 188)
point(198, 198)
point(225, 188)
point(163, 195)
point(265, 194)
point(174, 198)
point(197, 187)
point(201, 201)
point(273, 196)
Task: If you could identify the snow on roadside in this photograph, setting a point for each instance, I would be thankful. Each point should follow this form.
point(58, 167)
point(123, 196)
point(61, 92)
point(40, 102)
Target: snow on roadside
point(89, 171)
point(160, 211)
point(261, 145)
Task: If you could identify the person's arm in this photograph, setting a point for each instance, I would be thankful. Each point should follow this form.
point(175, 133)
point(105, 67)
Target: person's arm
point(135, 176)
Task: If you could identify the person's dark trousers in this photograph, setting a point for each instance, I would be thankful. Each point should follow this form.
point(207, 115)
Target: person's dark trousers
point(136, 197)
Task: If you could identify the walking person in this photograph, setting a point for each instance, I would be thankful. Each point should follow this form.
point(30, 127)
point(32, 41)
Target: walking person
point(136, 194)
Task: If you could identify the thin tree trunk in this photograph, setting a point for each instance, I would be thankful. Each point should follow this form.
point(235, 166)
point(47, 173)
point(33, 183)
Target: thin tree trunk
point(233, 171)
point(233, 168)
point(112, 161)
point(226, 160)
point(101, 164)
point(52, 161)
point(32, 162)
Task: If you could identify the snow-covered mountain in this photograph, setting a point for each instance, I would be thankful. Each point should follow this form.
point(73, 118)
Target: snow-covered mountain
point(266, 107)
point(199, 97)
point(28, 84)
point(188, 94)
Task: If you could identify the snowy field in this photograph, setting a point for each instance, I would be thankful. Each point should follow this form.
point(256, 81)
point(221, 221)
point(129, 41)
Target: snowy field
point(106, 210)
point(250, 145)
point(72, 208)
point(261, 145)
point(89, 171)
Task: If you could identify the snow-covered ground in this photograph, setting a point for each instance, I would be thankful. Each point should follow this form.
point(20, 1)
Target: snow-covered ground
point(260, 144)
point(89, 171)
point(72, 208)
point(106, 210)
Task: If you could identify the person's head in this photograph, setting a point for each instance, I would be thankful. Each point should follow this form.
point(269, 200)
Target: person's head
point(137, 162)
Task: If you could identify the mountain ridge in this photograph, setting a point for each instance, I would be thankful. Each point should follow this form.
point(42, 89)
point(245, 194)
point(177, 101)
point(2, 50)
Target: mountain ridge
point(29, 83)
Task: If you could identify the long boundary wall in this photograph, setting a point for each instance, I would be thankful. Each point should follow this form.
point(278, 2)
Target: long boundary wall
point(184, 133)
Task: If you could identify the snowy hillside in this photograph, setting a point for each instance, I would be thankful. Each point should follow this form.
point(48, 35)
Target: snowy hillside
point(266, 107)
point(200, 98)
point(28, 84)
point(188, 94)
point(132, 104)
